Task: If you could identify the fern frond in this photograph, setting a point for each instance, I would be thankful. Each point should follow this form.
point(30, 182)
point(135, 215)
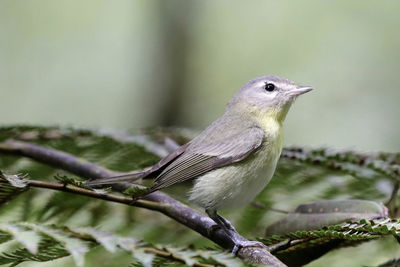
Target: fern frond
point(301, 247)
point(391, 263)
point(349, 161)
point(303, 175)
point(27, 238)
point(49, 242)
point(362, 230)
point(9, 192)
point(77, 248)
point(48, 250)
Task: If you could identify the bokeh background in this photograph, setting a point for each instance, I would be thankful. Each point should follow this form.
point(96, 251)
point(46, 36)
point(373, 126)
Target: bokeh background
point(134, 64)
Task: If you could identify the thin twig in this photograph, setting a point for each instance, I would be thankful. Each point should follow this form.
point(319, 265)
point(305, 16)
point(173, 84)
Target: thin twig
point(393, 195)
point(262, 206)
point(95, 194)
point(285, 244)
point(391, 203)
point(169, 255)
point(156, 201)
point(279, 246)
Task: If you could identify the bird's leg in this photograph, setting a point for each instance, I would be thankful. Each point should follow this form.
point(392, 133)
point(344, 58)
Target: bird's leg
point(227, 223)
point(221, 222)
point(227, 226)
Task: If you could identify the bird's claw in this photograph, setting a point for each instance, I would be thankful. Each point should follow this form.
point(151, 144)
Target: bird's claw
point(213, 229)
point(242, 244)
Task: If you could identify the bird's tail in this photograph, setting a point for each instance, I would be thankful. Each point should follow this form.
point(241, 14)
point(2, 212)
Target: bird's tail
point(131, 177)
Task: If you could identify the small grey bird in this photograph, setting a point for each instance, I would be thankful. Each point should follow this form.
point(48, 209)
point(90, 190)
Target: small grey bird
point(235, 157)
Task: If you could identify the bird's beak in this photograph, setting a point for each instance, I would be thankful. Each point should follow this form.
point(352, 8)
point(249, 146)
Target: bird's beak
point(300, 90)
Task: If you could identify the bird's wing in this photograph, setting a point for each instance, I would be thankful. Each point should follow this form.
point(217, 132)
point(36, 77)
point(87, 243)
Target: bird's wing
point(208, 152)
point(137, 175)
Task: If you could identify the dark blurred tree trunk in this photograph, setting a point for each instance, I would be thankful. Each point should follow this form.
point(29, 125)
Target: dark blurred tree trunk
point(175, 18)
point(175, 37)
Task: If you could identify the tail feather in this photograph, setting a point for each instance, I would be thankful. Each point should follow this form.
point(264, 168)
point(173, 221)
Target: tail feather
point(132, 177)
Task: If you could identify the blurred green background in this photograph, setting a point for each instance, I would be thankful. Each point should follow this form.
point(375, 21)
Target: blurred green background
point(133, 64)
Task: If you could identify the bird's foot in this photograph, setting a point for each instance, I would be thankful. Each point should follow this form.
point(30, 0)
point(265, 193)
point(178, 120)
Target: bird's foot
point(213, 229)
point(228, 225)
point(238, 241)
point(245, 243)
point(221, 222)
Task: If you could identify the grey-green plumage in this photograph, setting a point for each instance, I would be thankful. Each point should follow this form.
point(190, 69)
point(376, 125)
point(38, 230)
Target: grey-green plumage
point(222, 143)
point(235, 157)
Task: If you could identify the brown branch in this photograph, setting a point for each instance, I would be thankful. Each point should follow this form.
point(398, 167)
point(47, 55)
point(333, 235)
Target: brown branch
point(93, 194)
point(157, 201)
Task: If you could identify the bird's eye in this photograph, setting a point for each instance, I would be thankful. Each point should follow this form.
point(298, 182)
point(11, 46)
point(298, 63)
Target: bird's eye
point(269, 87)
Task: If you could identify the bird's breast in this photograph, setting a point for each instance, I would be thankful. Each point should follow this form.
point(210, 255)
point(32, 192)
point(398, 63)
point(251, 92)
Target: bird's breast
point(237, 184)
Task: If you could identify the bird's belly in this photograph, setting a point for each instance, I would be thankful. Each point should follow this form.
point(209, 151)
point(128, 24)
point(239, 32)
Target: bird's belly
point(234, 185)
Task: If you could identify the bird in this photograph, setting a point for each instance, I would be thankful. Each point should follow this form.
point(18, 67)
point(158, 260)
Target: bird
point(234, 158)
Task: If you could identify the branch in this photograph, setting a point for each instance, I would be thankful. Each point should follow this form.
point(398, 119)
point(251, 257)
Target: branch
point(157, 201)
point(93, 194)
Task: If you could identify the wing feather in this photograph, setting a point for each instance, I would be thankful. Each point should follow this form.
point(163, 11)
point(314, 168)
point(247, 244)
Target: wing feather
point(210, 152)
point(137, 175)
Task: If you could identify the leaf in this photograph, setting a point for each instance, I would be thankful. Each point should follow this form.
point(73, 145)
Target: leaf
point(14, 180)
point(303, 175)
point(326, 212)
point(48, 250)
point(28, 239)
point(56, 242)
point(61, 208)
point(69, 180)
point(146, 259)
point(391, 263)
point(352, 162)
point(8, 192)
point(300, 247)
point(109, 241)
point(136, 191)
point(74, 246)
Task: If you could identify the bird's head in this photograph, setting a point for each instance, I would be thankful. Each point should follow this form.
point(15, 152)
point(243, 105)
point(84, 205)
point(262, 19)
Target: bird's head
point(267, 96)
